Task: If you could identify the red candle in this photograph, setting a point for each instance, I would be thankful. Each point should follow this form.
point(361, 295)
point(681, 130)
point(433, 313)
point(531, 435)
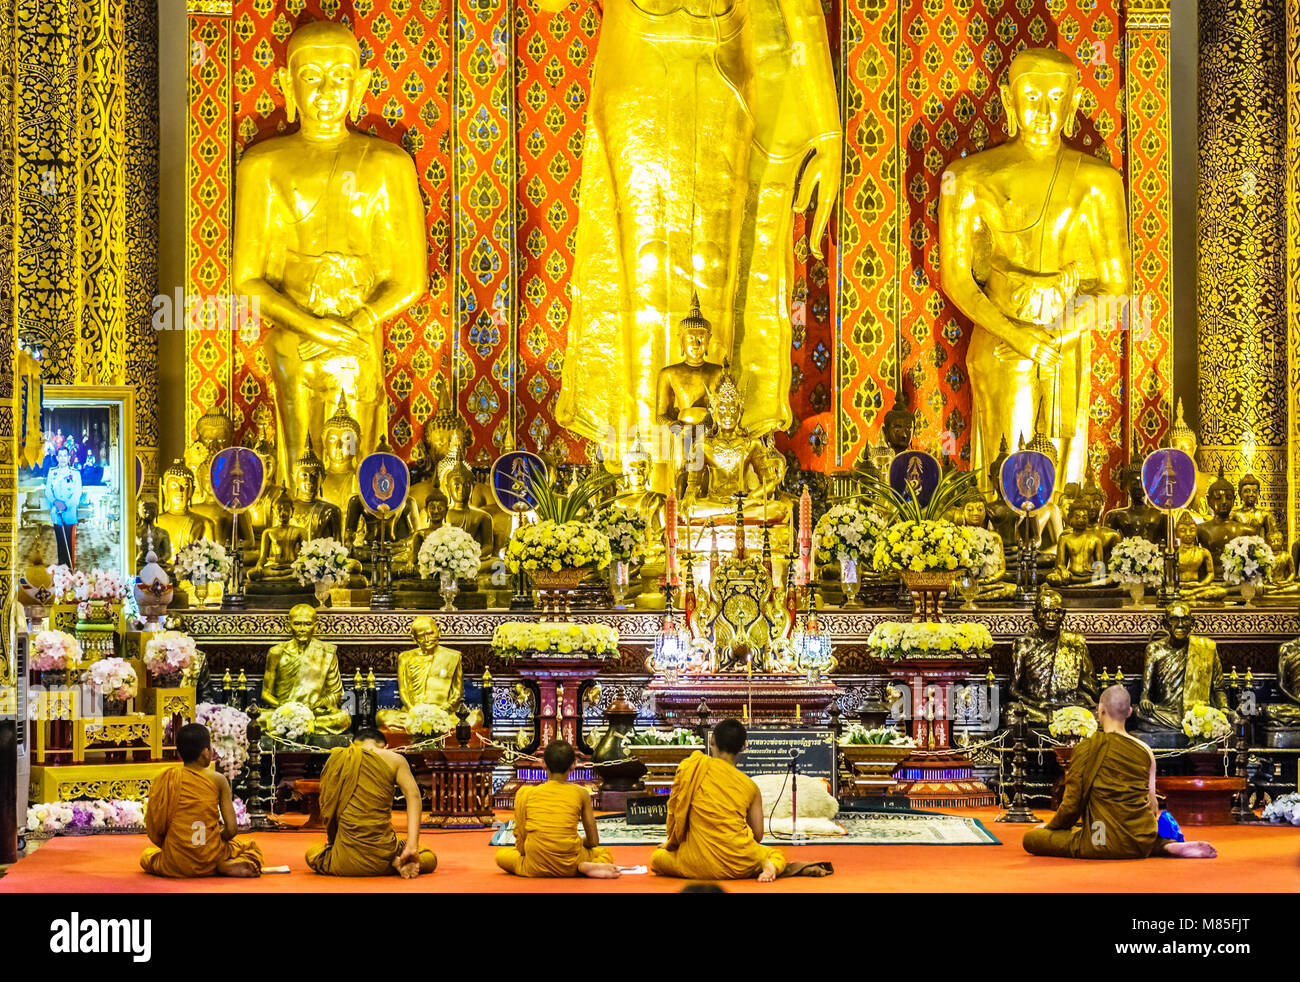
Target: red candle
point(670, 535)
point(805, 537)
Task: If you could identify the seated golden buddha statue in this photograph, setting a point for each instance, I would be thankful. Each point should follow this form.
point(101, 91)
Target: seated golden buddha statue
point(1182, 670)
point(1139, 520)
point(261, 513)
point(340, 441)
point(216, 432)
point(1281, 575)
point(426, 674)
point(1001, 517)
point(1078, 552)
point(733, 463)
point(682, 389)
point(1215, 533)
point(150, 537)
point(1286, 714)
point(1050, 668)
point(434, 511)
point(181, 523)
point(457, 485)
point(1183, 437)
point(1259, 520)
point(281, 543)
point(1095, 499)
point(306, 670)
point(993, 586)
point(1195, 564)
point(317, 517)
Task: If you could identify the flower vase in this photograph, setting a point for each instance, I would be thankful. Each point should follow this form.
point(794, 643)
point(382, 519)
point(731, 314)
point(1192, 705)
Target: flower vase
point(114, 707)
point(969, 588)
point(1248, 590)
point(849, 581)
point(322, 590)
point(618, 581)
point(448, 587)
point(201, 592)
point(1136, 592)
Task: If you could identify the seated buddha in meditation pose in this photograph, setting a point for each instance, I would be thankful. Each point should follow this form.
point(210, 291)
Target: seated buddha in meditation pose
point(1182, 670)
point(1078, 551)
point(182, 524)
point(1109, 809)
point(1195, 564)
point(458, 485)
point(1050, 667)
point(150, 537)
point(318, 518)
point(191, 817)
point(1215, 533)
point(1259, 520)
point(1093, 496)
point(1286, 714)
point(546, 822)
point(426, 674)
point(357, 788)
point(992, 587)
point(305, 670)
point(1139, 519)
point(281, 542)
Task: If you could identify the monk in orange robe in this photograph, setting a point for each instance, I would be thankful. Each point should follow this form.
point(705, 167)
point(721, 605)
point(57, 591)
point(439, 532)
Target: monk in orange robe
point(1111, 787)
point(546, 823)
point(357, 788)
point(191, 817)
point(715, 818)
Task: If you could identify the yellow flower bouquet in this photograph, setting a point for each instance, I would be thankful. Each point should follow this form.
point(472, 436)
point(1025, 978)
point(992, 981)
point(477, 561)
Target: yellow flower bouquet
point(1203, 722)
point(547, 546)
point(929, 639)
point(520, 639)
point(929, 545)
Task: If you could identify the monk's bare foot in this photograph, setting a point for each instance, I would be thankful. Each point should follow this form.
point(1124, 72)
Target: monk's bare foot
point(241, 868)
point(1191, 850)
point(768, 873)
point(599, 871)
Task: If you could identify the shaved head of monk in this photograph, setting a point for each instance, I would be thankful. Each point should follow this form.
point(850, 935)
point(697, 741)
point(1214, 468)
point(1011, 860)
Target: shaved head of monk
point(729, 737)
point(1115, 706)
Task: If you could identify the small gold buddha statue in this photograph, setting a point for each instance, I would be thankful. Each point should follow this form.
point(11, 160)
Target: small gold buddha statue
point(426, 674)
point(1183, 437)
point(317, 517)
point(458, 484)
point(150, 537)
point(991, 586)
point(261, 512)
point(181, 523)
point(281, 543)
point(1182, 670)
point(1093, 496)
point(1285, 714)
point(734, 463)
point(1195, 564)
point(305, 669)
point(1281, 575)
point(1079, 557)
point(1050, 668)
point(340, 440)
point(682, 389)
point(1261, 521)
point(1215, 533)
point(1139, 520)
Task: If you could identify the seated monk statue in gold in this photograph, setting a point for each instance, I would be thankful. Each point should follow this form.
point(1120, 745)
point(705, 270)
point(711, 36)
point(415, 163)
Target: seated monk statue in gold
point(181, 523)
point(1195, 564)
point(1050, 668)
point(1025, 227)
point(330, 239)
point(1182, 670)
point(306, 670)
point(1261, 521)
point(1285, 714)
point(281, 543)
point(427, 674)
point(1215, 533)
point(1078, 551)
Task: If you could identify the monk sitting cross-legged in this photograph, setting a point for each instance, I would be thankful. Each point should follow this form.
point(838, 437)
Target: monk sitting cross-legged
point(546, 823)
point(191, 817)
point(357, 788)
point(1111, 786)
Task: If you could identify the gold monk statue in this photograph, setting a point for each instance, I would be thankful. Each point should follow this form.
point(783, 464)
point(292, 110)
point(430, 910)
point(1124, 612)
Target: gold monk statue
point(1050, 668)
point(330, 240)
point(181, 523)
point(1215, 533)
point(1078, 551)
point(1024, 228)
point(281, 543)
point(306, 670)
point(1195, 564)
point(1259, 520)
point(1286, 714)
point(1182, 670)
point(702, 120)
point(427, 674)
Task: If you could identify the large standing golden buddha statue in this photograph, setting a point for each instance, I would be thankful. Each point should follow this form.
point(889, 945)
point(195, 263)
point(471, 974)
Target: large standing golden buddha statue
point(701, 116)
point(330, 239)
point(1025, 228)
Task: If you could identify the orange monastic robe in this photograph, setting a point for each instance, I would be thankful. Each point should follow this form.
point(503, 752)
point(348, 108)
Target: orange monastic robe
point(356, 804)
point(549, 814)
point(183, 822)
point(709, 837)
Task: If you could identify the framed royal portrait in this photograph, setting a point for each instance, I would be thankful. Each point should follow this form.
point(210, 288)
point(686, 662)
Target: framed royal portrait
point(76, 506)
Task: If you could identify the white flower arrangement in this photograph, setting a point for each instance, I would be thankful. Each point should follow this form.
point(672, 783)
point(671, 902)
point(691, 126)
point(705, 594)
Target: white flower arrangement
point(450, 550)
point(53, 817)
point(516, 639)
point(426, 719)
point(63, 583)
point(848, 531)
point(202, 561)
point(112, 676)
point(547, 546)
point(169, 653)
point(895, 639)
point(1283, 809)
point(228, 728)
point(1246, 559)
point(1072, 721)
point(1203, 722)
point(52, 650)
point(625, 528)
point(858, 735)
point(322, 560)
point(1136, 560)
point(930, 545)
point(985, 552)
point(291, 720)
point(680, 737)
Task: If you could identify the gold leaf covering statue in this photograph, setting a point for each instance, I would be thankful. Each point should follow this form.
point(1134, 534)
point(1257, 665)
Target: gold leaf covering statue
point(1215, 533)
point(181, 523)
point(427, 673)
point(701, 121)
point(1182, 670)
point(458, 484)
point(1078, 551)
point(340, 443)
point(1024, 228)
point(1095, 499)
point(306, 670)
point(1260, 521)
point(329, 239)
point(1285, 715)
point(1195, 564)
point(280, 544)
point(992, 586)
point(1050, 668)
point(318, 518)
point(1183, 437)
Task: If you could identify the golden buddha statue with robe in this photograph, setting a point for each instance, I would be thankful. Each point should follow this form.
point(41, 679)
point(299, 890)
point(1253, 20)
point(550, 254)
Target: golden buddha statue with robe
point(317, 517)
point(1095, 500)
point(306, 670)
point(1078, 551)
point(329, 238)
point(181, 523)
point(1215, 533)
point(1259, 520)
point(280, 543)
point(1024, 229)
point(1195, 564)
point(426, 674)
point(458, 484)
point(1050, 668)
point(1182, 670)
point(702, 120)
point(340, 442)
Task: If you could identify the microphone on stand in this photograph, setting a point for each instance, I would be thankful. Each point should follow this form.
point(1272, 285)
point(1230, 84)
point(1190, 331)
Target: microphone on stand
point(794, 792)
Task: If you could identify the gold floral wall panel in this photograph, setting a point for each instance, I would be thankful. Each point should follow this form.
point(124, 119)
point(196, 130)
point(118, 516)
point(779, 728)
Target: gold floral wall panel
point(1292, 164)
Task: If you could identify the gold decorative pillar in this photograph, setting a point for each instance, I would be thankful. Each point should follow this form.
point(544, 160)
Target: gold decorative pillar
point(1292, 165)
point(1241, 295)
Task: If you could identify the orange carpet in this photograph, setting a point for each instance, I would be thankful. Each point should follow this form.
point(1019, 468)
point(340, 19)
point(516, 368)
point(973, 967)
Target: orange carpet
point(1251, 859)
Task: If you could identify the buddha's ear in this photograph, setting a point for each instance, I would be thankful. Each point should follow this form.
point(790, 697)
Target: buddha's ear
point(1071, 125)
point(360, 88)
point(1009, 107)
point(284, 82)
